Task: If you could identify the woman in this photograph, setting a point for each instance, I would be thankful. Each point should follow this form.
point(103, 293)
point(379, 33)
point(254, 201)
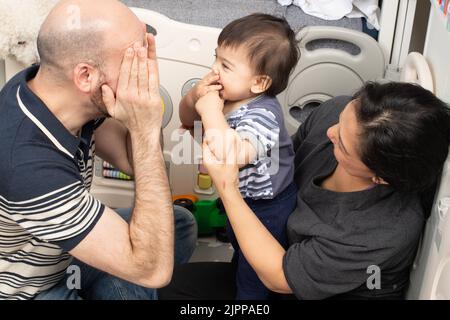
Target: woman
point(362, 165)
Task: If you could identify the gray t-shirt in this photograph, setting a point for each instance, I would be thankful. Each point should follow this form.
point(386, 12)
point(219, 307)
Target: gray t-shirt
point(339, 241)
point(261, 122)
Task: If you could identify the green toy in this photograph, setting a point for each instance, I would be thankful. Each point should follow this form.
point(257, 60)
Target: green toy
point(208, 216)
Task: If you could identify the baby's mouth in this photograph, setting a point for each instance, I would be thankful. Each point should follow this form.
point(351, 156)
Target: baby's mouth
point(221, 90)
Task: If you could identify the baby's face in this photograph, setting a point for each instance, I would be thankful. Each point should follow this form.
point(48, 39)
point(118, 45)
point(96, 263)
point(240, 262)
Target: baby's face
point(235, 73)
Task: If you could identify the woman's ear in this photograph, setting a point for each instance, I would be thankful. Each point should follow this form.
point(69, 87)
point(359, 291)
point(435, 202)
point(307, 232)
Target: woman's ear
point(378, 180)
point(260, 84)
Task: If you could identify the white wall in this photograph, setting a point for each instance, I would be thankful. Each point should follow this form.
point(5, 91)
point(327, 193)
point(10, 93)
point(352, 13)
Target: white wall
point(431, 270)
point(437, 53)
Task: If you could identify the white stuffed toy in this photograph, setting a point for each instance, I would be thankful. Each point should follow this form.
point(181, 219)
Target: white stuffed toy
point(21, 20)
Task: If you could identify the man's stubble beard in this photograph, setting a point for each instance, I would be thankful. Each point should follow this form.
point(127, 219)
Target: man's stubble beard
point(97, 98)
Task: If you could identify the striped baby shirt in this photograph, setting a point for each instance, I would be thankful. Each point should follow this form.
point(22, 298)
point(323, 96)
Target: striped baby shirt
point(261, 122)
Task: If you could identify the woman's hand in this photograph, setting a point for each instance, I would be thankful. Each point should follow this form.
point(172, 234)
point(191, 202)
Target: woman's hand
point(137, 103)
point(223, 171)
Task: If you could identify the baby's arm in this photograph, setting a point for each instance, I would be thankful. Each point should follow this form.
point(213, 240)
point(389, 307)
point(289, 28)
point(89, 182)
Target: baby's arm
point(246, 153)
point(187, 111)
point(260, 129)
point(210, 108)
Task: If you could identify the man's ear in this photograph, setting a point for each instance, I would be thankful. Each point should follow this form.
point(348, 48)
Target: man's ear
point(85, 77)
point(260, 84)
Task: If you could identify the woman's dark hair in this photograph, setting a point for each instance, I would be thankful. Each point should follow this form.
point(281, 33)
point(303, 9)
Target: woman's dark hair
point(271, 44)
point(405, 134)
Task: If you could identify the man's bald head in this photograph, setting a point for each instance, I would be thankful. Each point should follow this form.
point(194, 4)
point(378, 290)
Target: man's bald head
point(82, 31)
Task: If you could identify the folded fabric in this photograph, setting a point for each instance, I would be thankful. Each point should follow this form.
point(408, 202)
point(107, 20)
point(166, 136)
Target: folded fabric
point(337, 9)
point(368, 9)
point(285, 2)
point(326, 9)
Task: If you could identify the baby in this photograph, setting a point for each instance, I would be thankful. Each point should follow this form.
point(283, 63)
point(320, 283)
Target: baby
point(254, 58)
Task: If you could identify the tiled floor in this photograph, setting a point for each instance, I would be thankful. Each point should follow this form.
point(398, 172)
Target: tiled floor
point(211, 249)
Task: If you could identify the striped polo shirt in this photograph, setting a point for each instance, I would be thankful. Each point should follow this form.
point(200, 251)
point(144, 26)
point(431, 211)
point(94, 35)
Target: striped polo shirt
point(261, 122)
point(45, 205)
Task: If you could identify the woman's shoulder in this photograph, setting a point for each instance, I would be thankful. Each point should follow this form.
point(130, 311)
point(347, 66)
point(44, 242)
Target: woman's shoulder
point(411, 216)
point(394, 222)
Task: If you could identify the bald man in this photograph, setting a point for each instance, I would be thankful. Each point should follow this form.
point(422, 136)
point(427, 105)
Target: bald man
point(98, 74)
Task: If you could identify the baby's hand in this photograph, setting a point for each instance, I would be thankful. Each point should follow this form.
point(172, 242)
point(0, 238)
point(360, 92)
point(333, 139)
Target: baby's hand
point(207, 84)
point(211, 101)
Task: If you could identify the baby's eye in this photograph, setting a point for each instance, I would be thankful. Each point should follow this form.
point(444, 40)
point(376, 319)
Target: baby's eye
point(225, 66)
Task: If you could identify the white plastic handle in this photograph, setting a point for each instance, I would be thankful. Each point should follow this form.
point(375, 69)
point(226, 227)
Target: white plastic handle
point(439, 273)
point(416, 70)
point(357, 38)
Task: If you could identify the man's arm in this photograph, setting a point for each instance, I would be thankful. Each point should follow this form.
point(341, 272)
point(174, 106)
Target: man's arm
point(119, 152)
point(141, 252)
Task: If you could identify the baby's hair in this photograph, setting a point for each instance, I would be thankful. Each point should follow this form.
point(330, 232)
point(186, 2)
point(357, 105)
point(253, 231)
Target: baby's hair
point(270, 43)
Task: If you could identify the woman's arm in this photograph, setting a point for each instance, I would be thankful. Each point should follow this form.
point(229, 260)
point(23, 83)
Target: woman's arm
point(259, 247)
point(217, 130)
